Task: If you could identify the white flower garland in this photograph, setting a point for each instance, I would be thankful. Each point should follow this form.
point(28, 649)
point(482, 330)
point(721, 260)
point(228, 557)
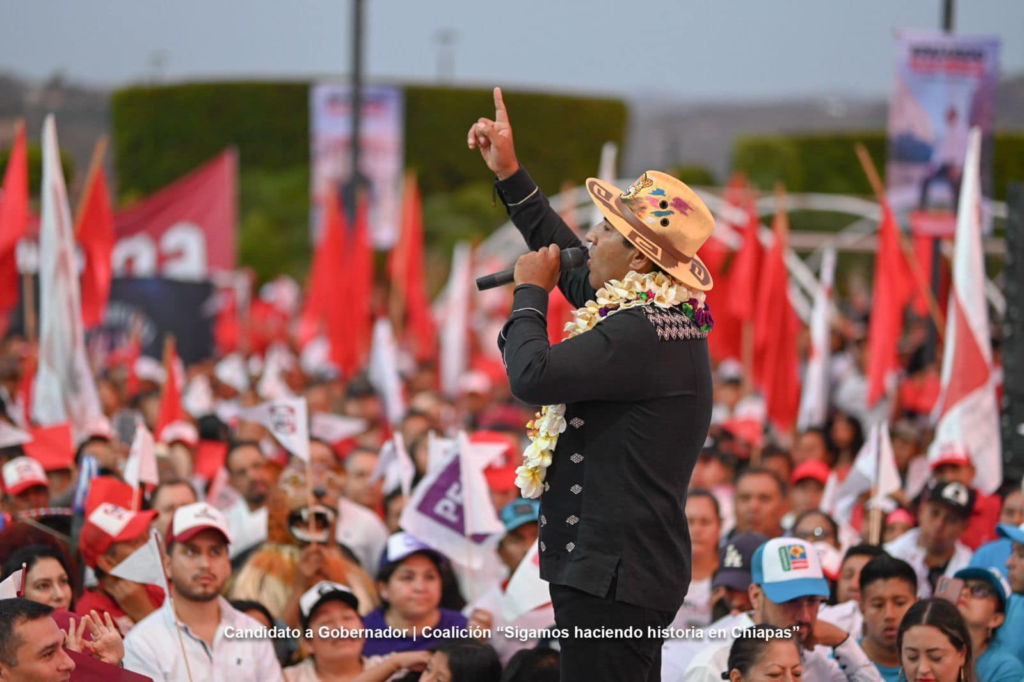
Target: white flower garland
point(653, 288)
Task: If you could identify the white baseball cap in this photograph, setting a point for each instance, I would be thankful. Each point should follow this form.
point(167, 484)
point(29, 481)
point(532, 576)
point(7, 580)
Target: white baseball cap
point(787, 569)
point(180, 432)
point(21, 473)
point(322, 592)
point(192, 519)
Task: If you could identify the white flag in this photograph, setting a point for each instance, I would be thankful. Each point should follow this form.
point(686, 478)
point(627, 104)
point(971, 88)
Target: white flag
point(395, 466)
point(814, 399)
point(967, 410)
point(334, 428)
point(526, 590)
point(455, 330)
point(287, 422)
point(450, 509)
point(12, 435)
point(873, 470)
point(272, 385)
point(141, 466)
point(63, 389)
point(11, 585)
point(383, 371)
point(144, 565)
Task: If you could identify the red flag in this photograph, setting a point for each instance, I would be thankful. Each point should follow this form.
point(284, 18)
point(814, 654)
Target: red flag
point(559, 313)
point(170, 398)
point(409, 304)
point(746, 267)
point(775, 333)
point(325, 280)
point(13, 218)
point(727, 341)
point(95, 234)
point(359, 276)
point(892, 290)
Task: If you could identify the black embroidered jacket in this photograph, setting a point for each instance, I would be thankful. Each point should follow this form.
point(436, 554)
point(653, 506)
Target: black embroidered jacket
point(638, 396)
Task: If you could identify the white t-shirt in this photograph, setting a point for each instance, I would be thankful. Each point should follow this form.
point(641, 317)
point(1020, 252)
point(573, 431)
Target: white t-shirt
point(696, 609)
point(905, 547)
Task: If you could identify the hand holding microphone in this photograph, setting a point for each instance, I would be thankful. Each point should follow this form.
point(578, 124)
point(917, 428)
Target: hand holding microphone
point(537, 267)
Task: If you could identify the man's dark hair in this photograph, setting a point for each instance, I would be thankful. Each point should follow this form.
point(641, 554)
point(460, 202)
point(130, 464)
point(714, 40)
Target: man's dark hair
point(471, 660)
point(863, 549)
point(167, 484)
point(707, 494)
point(762, 471)
point(246, 605)
point(885, 567)
point(532, 665)
point(826, 439)
point(236, 446)
point(14, 612)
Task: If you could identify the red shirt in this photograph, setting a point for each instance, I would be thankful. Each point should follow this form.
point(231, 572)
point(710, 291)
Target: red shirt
point(102, 602)
point(981, 526)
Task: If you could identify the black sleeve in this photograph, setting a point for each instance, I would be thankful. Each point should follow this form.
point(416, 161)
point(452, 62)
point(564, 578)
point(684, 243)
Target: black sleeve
point(541, 225)
point(605, 363)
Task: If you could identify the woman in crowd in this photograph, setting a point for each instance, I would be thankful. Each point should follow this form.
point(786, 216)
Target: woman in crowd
point(760, 654)
point(705, 522)
point(848, 437)
point(982, 604)
point(816, 526)
point(48, 579)
point(328, 612)
point(410, 585)
point(934, 643)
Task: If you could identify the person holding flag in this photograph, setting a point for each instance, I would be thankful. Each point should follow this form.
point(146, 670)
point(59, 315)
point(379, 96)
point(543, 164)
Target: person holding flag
point(209, 631)
point(628, 400)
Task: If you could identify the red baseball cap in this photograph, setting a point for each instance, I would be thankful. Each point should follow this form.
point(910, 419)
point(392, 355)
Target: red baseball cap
point(108, 489)
point(191, 519)
point(22, 473)
point(951, 453)
point(109, 523)
point(813, 468)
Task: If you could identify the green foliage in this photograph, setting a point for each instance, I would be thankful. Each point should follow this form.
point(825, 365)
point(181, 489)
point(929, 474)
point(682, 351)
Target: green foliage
point(828, 163)
point(35, 167)
point(274, 235)
point(695, 175)
point(162, 133)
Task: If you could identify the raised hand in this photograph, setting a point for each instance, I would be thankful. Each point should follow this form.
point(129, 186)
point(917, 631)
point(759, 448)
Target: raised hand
point(106, 644)
point(494, 140)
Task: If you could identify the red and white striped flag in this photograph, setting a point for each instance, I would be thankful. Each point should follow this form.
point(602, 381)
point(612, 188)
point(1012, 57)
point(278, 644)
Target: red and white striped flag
point(967, 410)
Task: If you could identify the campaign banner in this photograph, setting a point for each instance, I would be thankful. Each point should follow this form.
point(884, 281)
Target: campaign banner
point(161, 306)
point(186, 231)
point(382, 154)
point(945, 85)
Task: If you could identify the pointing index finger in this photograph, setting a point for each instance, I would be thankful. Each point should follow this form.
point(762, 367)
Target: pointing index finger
point(500, 112)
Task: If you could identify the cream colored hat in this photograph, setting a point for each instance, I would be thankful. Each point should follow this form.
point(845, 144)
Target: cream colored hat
point(663, 218)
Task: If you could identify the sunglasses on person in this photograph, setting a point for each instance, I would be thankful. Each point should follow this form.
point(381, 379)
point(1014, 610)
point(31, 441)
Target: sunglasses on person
point(979, 590)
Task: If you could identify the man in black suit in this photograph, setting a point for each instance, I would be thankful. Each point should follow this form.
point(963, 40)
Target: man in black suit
point(635, 386)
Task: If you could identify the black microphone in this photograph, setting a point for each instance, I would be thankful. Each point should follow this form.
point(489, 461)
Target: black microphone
point(571, 259)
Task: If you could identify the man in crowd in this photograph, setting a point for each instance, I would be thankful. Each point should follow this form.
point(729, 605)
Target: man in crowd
point(198, 566)
point(846, 611)
point(25, 485)
point(954, 463)
point(110, 534)
point(359, 467)
point(31, 644)
point(888, 590)
point(813, 444)
point(760, 502)
point(806, 486)
point(1008, 637)
point(787, 588)
point(166, 499)
point(933, 548)
point(249, 477)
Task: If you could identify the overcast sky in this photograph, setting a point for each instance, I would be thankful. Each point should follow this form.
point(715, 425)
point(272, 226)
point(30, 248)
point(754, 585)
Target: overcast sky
point(671, 49)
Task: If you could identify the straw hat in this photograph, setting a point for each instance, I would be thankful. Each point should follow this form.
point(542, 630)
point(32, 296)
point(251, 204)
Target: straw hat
point(663, 218)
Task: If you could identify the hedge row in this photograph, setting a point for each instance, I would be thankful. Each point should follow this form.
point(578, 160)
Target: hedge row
point(827, 163)
point(160, 133)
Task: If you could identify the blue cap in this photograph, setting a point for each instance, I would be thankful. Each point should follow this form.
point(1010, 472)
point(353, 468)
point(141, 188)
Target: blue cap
point(992, 576)
point(520, 512)
point(1015, 533)
point(787, 569)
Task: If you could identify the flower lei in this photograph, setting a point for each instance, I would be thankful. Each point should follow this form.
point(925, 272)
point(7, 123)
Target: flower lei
point(653, 288)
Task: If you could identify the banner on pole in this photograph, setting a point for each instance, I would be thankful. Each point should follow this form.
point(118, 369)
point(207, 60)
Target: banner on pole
point(945, 85)
point(382, 153)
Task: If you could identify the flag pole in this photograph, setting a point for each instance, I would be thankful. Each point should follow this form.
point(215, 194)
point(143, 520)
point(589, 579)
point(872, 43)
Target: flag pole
point(24, 579)
point(28, 287)
point(938, 319)
point(174, 611)
point(95, 163)
point(874, 511)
